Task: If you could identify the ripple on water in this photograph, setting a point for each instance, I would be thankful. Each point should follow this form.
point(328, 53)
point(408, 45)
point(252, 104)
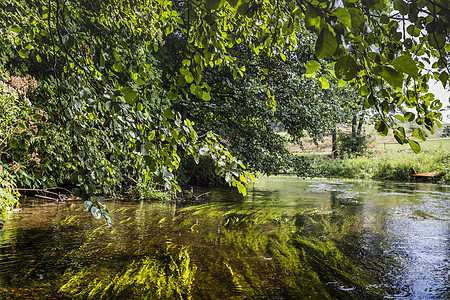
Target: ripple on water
point(425, 246)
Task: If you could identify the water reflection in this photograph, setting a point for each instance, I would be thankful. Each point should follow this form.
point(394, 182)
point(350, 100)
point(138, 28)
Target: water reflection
point(288, 239)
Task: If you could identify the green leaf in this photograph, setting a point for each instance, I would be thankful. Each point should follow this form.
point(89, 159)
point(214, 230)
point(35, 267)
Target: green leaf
point(312, 66)
point(16, 29)
point(400, 118)
point(326, 44)
point(14, 143)
point(172, 94)
point(168, 113)
point(103, 58)
point(151, 137)
point(241, 189)
point(443, 77)
point(212, 4)
point(414, 146)
point(377, 4)
point(357, 18)
point(392, 76)
point(343, 16)
point(323, 82)
point(409, 116)
point(436, 40)
point(381, 127)
point(118, 67)
point(341, 83)
point(24, 53)
point(413, 30)
point(189, 77)
point(37, 117)
point(370, 101)
point(420, 134)
point(346, 68)
point(398, 137)
point(407, 65)
point(401, 6)
point(129, 94)
point(312, 20)
point(364, 91)
point(384, 19)
point(206, 96)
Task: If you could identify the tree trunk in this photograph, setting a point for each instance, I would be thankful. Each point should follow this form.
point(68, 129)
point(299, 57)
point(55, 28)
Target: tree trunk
point(354, 125)
point(354, 134)
point(333, 144)
point(360, 124)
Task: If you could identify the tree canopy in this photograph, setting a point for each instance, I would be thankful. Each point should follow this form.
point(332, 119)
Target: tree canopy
point(117, 114)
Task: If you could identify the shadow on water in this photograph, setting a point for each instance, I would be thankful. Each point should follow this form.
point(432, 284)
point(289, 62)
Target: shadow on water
point(287, 239)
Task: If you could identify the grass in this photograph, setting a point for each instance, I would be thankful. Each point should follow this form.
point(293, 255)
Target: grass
point(390, 165)
point(428, 145)
point(377, 142)
point(385, 160)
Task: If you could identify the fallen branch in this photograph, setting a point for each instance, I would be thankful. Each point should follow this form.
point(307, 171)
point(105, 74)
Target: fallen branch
point(56, 196)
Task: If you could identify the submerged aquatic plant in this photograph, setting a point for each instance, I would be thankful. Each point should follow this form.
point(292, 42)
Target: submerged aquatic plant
point(168, 275)
point(268, 253)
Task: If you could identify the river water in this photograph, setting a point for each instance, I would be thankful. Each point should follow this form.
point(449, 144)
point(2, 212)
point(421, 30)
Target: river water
point(287, 239)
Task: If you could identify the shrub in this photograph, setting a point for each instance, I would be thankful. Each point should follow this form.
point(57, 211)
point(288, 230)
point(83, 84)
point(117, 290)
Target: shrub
point(446, 132)
point(349, 144)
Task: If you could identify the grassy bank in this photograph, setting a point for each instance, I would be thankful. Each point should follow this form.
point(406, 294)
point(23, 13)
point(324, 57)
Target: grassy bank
point(381, 165)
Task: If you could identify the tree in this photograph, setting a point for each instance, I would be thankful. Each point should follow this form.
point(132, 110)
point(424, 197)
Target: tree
point(244, 116)
point(100, 54)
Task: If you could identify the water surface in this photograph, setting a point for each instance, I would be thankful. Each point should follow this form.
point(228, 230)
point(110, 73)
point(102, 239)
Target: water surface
point(287, 239)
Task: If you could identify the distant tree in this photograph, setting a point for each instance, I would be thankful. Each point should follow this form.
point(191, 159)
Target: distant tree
point(446, 132)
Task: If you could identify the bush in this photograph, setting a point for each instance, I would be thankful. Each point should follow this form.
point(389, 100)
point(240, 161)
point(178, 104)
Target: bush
point(349, 144)
point(446, 132)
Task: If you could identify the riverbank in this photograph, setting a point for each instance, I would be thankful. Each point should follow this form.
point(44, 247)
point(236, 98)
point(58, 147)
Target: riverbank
point(380, 165)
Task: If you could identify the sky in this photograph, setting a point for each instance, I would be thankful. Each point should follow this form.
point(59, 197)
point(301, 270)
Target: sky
point(443, 95)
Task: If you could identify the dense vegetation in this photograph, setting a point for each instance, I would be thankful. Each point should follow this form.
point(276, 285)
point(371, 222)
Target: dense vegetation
point(390, 165)
point(123, 91)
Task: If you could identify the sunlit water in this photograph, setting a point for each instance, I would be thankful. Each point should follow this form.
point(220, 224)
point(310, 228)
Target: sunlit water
point(287, 239)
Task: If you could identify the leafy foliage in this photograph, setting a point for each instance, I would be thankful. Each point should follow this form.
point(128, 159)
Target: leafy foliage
point(351, 144)
point(446, 132)
point(114, 118)
point(382, 166)
point(112, 107)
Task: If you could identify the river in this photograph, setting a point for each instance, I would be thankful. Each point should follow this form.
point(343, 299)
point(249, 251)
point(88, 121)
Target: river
point(287, 239)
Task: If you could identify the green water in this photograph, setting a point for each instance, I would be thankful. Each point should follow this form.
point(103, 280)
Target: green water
point(287, 239)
